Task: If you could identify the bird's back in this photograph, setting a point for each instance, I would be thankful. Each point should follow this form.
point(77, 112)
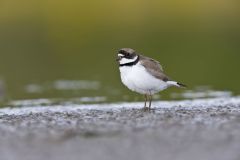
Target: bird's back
point(153, 67)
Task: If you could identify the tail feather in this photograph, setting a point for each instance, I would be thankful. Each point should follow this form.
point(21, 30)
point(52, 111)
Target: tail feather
point(182, 85)
point(173, 83)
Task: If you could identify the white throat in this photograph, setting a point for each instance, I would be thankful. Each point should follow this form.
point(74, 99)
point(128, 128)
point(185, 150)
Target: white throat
point(125, 60)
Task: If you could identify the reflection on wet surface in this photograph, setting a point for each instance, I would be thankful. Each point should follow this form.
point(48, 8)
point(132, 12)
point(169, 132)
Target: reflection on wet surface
point(90, 91)
point(83, 91)
point(66, 85)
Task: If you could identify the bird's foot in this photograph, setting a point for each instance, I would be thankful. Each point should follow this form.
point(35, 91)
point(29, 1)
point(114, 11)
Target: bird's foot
point(147, 109)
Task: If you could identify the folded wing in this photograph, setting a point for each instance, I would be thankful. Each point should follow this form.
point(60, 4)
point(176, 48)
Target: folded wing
point(154, 68)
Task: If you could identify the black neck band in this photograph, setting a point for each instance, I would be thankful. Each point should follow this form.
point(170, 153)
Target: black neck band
point(130, 63)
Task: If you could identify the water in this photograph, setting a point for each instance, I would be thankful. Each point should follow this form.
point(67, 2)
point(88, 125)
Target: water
point(88, 92)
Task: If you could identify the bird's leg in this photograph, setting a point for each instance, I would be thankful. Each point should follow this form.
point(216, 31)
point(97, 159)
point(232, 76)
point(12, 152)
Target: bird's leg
point(150, 101)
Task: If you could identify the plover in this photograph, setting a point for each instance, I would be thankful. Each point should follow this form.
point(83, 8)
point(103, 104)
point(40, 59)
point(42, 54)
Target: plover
point(142, 74)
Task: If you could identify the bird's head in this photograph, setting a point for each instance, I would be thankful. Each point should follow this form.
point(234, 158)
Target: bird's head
point(126, 55)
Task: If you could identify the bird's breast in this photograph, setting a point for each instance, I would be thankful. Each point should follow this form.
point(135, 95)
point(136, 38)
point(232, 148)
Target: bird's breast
point(136, 78)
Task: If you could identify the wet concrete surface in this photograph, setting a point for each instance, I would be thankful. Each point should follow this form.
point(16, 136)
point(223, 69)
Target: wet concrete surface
point(204, 129)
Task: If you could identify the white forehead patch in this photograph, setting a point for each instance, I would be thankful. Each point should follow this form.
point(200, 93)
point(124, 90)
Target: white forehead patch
point(120, 55)
point(125, 60)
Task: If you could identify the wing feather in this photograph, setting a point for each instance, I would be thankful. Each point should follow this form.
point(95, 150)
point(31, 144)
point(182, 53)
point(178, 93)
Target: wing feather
point(153, 67)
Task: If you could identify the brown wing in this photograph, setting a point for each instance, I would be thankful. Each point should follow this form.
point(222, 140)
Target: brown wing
point(153, 67)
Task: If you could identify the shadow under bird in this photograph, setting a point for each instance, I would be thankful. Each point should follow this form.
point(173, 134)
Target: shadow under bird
point(142, 74)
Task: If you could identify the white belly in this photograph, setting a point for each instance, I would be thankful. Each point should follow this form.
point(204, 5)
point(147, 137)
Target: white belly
point(137, 79)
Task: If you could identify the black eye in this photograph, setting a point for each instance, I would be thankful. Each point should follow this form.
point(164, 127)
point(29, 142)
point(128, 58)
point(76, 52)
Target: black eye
point(125, 53)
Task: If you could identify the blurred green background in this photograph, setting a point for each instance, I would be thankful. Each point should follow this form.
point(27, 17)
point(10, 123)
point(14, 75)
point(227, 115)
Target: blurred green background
point(44, 43)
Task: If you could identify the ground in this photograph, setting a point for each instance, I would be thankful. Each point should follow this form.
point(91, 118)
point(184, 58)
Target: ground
point(179, 130)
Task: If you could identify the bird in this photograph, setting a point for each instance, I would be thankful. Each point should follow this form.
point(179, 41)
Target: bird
point(143, 74)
